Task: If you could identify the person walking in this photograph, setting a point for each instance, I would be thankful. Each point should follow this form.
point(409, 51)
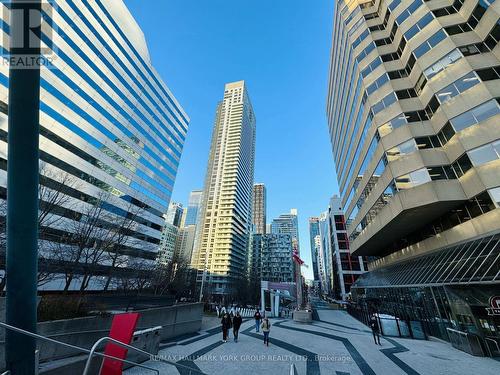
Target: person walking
point(266, 328)
point(258, 319)
point(237, 320)
point(375, 329)
point(226, 325)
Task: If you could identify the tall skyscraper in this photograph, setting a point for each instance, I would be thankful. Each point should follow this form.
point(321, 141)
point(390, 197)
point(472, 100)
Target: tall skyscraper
point(185, 242)
point(324, 251)
point(287, 224)
point(111, 132)
point(168, 241)
point(226, 217)
point(413, 111)
point(313, 232)
point(174, 214)
point(269, 228)
point(193, 207)
point(259, 208)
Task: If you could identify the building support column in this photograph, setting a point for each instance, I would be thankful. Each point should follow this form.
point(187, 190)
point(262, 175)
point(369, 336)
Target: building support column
point(277, 304)
point(22, 185)
point(271, 298)
point(262, 300)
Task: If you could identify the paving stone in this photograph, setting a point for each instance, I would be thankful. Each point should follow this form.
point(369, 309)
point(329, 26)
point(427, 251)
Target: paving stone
point(334, 344)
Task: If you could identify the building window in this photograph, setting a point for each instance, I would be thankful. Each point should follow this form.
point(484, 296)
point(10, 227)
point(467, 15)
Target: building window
point(419, 26)
point(392, 124)
point(442, 63)
point(489, 74)
point(404, 148)
point(475, 115)
point(485, 154)
point(459, 86)
point(495, 196)
point(433, 41)
point(471, 23)
point(412, 179)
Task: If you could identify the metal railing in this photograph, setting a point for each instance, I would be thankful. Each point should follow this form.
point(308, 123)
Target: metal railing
point(93, 351)
point(496, 349)
point(465, 341)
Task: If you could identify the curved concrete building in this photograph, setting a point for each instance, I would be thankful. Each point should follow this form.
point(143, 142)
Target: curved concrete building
point(414, 118)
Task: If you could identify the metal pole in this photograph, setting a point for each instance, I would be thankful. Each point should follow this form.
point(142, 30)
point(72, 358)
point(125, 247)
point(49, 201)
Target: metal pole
point(22, 184)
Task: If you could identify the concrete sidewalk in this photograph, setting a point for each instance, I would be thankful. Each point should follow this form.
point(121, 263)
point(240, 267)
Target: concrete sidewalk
point(336, 344)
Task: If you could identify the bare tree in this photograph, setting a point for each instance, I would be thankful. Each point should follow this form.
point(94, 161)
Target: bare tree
point(120, 238)
point(173, 277)
point(85, 243)
point(140, 279)
point(52, 195)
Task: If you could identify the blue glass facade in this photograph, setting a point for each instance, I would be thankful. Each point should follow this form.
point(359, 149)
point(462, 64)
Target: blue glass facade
point(106, 117)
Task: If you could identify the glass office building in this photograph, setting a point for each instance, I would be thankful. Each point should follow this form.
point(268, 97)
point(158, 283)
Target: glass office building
point(111, 132)
point(414, 115)
point(313, 232)
point(193, 207)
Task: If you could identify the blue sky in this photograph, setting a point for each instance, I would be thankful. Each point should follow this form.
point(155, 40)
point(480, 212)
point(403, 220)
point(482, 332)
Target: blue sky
point(281, 49)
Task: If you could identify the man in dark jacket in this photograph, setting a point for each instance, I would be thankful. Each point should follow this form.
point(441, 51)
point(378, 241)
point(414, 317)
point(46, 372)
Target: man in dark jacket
point(375, 329)
point(237, 320)
point(258, 319)
point(226, 325)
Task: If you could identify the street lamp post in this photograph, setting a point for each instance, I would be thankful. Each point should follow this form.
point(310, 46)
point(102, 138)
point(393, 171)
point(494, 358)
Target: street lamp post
point(22, 184)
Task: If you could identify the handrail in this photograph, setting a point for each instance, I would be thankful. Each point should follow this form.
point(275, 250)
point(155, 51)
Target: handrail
point(82, 350)
point(488, 347)
point(93, 352)
point(119, 343)
point(116, 342)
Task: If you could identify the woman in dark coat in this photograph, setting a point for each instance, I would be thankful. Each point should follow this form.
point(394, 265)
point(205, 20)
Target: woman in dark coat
point(226, 325)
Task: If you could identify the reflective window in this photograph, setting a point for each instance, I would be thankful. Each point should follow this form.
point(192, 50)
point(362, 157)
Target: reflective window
point(419, 26)
point(495, 196)
point(430, 43)
point(404, 148)
point(443, 63)
point(476, 115)
point(394, 4)
point(380, 81)
point(412, 179)
point(360, 38)
point(392, 124)
point(466, 82)
point(365, 52)
point(384, 103)
point(408, 11)
point(373, 65)
point(485, 154)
